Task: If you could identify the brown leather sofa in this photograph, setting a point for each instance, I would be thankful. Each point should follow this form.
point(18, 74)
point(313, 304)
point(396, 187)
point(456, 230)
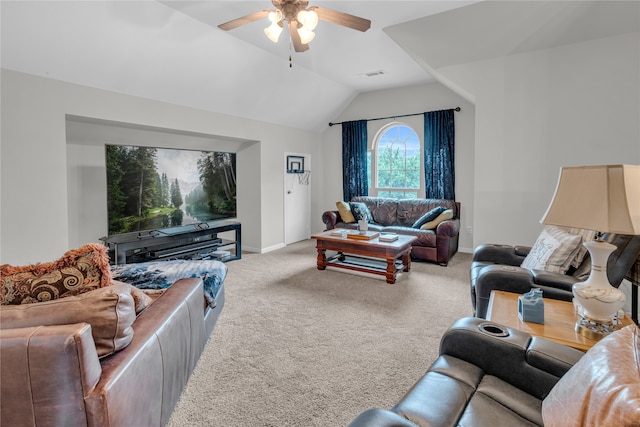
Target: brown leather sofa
point(398, 215)
point(491, 375)
point(53, 376)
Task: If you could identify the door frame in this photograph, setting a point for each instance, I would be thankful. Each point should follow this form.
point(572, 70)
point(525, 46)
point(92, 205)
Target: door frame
point(307, 209)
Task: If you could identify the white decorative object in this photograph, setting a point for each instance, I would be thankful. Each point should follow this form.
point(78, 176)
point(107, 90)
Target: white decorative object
point(597, 297)
point(388, 237)
point(605, 199)
point(339, 232)
point(363, 226)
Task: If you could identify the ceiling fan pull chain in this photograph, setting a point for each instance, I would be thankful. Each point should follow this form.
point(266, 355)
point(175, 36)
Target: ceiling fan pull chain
point(290, 60)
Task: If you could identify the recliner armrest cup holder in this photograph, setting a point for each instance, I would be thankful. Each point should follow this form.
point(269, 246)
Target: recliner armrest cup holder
point(493, 329)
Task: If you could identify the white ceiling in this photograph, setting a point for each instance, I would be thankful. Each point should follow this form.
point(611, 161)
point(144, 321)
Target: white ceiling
point(172, 51)
point(337, 53)
point(493, 29)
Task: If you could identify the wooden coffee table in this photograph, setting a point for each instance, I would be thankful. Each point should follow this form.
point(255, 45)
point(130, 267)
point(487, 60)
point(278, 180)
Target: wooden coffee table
point(559, 320)
point(367, 256)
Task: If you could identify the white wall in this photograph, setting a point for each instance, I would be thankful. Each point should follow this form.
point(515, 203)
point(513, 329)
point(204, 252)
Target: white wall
point(36, 178)
point(407, 100)
point(535, 112)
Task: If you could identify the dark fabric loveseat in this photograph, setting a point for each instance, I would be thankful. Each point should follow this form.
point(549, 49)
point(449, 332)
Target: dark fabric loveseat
point(398, 216)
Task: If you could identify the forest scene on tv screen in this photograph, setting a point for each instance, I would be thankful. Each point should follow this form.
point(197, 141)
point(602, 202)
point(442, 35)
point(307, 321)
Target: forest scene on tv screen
point(154, 188)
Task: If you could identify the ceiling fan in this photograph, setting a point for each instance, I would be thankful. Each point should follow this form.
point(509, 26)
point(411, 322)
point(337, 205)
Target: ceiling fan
point(300, 19)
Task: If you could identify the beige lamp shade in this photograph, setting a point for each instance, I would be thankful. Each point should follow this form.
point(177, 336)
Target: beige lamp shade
point(601, 198)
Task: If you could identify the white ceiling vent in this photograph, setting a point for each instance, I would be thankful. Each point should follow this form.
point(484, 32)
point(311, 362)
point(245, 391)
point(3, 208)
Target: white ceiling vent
point(372, 74)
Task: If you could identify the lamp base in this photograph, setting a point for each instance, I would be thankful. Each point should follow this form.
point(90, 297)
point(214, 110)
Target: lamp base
point(594, 329)
point(598, 300)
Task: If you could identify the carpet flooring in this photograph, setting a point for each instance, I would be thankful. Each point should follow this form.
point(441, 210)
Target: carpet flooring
point(295, 346)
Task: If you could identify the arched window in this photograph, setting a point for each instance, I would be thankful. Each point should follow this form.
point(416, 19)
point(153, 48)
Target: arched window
point(396, 163)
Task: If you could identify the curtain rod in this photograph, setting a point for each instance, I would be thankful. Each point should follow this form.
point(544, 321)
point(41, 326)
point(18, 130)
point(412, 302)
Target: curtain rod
point(390, 117)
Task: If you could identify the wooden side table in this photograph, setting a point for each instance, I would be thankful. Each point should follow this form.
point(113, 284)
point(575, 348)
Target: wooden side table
point(559, 320)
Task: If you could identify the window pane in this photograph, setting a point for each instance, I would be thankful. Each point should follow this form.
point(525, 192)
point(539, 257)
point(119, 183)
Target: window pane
point(384, 178)
point(399, 155)
point(413, 179)
point(384, 156)
point(397, 162)
point(398, 178)
point(413, 145)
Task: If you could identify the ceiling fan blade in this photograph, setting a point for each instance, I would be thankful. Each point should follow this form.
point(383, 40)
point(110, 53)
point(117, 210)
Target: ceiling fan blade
point(235, 23)
point(342, 18)
point(295, 38)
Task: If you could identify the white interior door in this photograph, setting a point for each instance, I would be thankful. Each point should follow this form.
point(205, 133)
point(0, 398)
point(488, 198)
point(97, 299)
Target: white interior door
point(297, 198)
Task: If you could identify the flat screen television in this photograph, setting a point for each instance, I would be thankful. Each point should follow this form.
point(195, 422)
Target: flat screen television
point(154, 188)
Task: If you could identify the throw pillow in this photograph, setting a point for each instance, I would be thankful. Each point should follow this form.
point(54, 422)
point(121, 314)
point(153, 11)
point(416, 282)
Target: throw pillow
point(345, 212)
point(429, 216)
point(587, 236)
point(602, 388)
point(445, 215)
point(110, 311)
point(553, 250)
point(79, 270)
point(360, 211)
point(141, 299)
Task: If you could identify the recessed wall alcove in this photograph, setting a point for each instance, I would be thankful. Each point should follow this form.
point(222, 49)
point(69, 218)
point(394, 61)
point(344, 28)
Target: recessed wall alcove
point(86, 173)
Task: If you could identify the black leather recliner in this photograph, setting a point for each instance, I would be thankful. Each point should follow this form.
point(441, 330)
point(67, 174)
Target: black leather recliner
point(497, 267)
point(486, 375)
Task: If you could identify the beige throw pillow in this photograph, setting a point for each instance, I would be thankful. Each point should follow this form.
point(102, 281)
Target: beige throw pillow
point(141, 299)
point(445, 215)
point(553, 250)
point(602, 389)
point(109, 310)
point(345, 212)
point(587, 236)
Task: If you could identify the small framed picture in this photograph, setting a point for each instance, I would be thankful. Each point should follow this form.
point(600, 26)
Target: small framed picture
point(295, 164)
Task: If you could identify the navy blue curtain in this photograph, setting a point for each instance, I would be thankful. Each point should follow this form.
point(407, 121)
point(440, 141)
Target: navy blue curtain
point(354, 159)
point(439, 155)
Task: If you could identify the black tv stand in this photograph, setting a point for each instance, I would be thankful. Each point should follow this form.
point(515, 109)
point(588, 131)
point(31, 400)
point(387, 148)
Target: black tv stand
point(192, 241)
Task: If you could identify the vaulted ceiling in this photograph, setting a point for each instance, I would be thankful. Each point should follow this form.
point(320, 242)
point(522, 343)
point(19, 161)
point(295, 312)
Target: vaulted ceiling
point(172, 51)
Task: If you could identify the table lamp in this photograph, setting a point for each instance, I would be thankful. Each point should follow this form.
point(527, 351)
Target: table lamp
point(605, 199)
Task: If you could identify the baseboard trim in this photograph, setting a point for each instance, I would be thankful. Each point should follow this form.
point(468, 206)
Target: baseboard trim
point(272, 248)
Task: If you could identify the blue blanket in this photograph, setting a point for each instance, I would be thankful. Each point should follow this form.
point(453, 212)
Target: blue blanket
point(162, 274)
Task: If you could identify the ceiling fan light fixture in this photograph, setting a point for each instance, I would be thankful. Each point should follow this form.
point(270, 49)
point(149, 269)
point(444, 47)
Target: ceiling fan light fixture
point(273, 31)
point(300, 19)
point(306, 35)
point(308, 19)
point(275, 16)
